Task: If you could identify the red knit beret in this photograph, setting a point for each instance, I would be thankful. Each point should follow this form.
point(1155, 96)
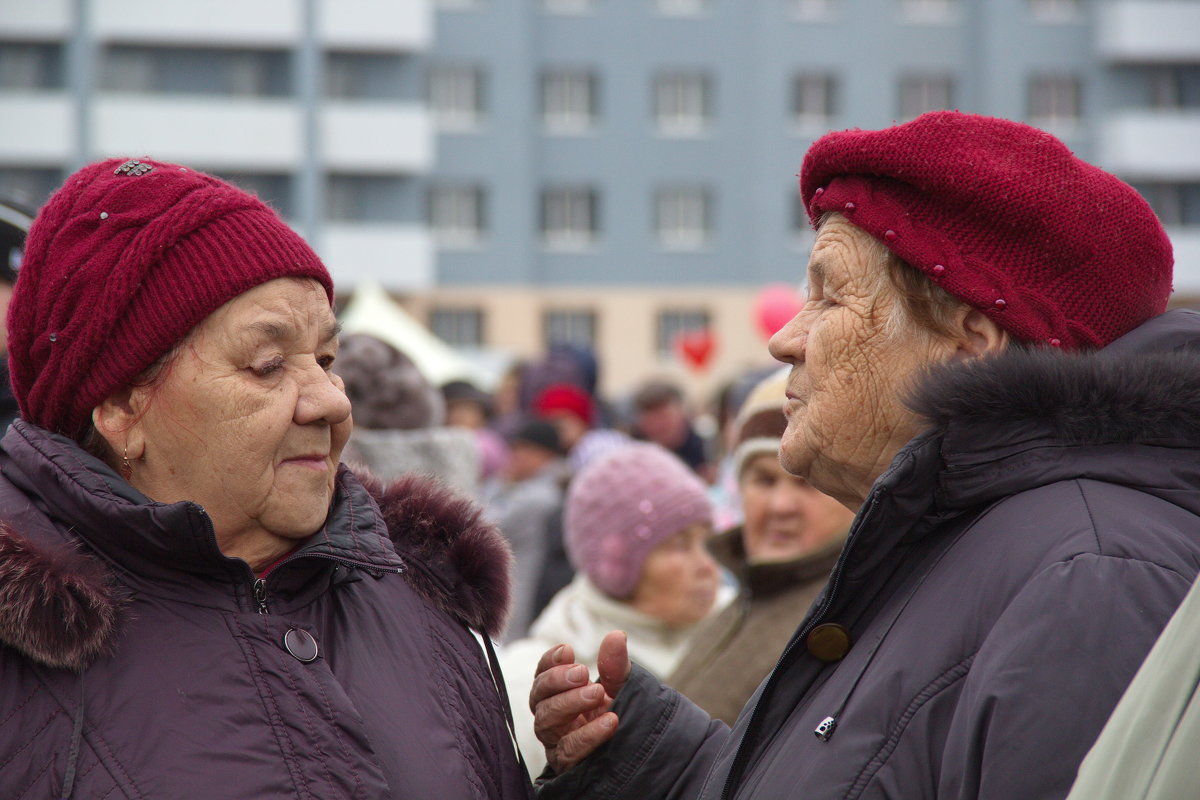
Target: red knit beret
point(565, 397)
point(123, 261)
point(1004, 217)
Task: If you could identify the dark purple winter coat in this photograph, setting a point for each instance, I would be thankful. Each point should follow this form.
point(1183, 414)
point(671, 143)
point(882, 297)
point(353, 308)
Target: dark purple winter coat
point(139, 662)
point(1000, 586)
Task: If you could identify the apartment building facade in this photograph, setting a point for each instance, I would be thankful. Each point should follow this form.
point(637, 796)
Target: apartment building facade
point(610, 173)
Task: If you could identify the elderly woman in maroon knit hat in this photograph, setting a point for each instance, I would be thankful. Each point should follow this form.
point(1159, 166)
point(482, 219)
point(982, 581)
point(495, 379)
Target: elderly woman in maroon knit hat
point(196, 600)
point(983, 370)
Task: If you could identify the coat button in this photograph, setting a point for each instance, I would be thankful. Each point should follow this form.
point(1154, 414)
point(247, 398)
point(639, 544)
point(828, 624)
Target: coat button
point(828, 642)
point(300, 644)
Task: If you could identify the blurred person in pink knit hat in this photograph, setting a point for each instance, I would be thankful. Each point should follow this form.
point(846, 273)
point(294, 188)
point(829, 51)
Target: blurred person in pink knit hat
point(986, 373)
point(637, 522)
point(196, 598)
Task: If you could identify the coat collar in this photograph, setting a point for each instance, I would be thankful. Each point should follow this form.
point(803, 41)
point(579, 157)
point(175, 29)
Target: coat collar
point(1027, 418)
point(60, 597)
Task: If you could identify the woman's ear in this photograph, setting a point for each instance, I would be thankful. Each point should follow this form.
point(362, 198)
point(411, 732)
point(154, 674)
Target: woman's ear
point(978, 334)
point(117, 420)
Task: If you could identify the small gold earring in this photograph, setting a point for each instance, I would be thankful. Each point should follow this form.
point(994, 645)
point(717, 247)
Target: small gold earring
point(126, 467)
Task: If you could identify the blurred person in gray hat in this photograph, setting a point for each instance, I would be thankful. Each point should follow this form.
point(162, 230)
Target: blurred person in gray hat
point(14, 224)
point(399, 418)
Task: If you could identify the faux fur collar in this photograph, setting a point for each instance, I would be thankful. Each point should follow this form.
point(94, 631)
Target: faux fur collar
point(1080, 398)
point(60, 607)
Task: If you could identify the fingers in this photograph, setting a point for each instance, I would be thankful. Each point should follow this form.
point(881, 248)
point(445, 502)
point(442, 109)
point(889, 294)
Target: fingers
point(562, 700)
point(613, 662)
point(582, 742)
point(563, 654)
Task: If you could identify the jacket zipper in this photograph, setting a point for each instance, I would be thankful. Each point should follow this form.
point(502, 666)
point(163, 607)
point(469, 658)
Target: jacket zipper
point(259, 587)
point(260, 595)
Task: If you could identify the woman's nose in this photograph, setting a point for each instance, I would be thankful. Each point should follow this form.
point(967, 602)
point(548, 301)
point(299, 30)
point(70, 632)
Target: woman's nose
point(322, 399)
point(787, 345)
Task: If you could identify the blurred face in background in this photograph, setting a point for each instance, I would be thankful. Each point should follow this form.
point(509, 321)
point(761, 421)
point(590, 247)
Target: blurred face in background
point(465, 414)
point(664, 424)
point(570, 427)
point(785, 517)
point(679, 578)
point(526, 460)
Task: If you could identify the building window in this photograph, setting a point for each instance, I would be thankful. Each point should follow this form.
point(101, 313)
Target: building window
point(569, 218)
point(568, 100)
point(456, 96)
point(1054, 10)
point(921, 93)
point(459, 327)
point(681, 8)
point(456, 214)
point(682, 217)
point(1174, 87)
point(1176, 204)
point(364, 76)
point(577, 327)
point(928, 11)
point(273, 189)
point(682, 103)
point(813, 100)
point(185, 70)
point(672, 323)
point(1054, 100)
point(365, 198)
point(30, 65)
point(30, 187)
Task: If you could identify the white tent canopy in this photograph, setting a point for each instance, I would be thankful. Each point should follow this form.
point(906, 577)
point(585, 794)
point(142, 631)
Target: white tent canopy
point(372, 311)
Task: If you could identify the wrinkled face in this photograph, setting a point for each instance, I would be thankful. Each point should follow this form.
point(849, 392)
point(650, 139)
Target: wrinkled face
point(248, 420)
point(679, 578)
point(784, 516)
point(850, 369)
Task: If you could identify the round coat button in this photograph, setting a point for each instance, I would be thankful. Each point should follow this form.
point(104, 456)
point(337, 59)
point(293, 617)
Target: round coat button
point(828, 642)
point(300, 644)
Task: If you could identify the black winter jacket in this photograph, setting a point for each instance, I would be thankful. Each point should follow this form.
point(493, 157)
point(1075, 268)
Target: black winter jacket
point(1000, 586)
point(139, 662)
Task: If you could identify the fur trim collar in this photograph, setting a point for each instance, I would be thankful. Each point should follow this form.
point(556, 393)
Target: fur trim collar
point(457, 561)
point(1078, 398)
point(60, 607)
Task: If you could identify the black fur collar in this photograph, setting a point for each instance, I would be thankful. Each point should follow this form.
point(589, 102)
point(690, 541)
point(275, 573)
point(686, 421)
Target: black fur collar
point(61, 607)
point(1078, 398)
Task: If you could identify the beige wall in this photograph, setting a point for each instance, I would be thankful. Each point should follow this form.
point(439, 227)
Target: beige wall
point(626, 329)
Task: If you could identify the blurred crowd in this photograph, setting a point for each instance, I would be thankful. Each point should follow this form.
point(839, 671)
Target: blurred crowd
point(620, 512)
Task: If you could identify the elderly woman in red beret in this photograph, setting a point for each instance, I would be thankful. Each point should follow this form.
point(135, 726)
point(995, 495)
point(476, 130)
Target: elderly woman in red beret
point(984, 371)
point(196, 600)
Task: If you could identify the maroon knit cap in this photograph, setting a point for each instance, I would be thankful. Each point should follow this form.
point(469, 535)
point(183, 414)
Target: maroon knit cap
point(1004, 217)
point(123, 261)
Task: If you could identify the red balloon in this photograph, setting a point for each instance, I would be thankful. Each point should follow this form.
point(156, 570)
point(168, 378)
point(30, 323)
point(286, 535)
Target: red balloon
point(696, 348)
point(775, 306)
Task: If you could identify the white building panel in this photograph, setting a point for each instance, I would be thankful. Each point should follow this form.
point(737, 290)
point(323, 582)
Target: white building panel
point(376, 24)
point(1150, 30)
point(38, 128)
point(397, 257)
point(1152, 145)
point(35, 19)
point(250, 134)
point(228, 23)
point(1186, 242)
point(376, 137)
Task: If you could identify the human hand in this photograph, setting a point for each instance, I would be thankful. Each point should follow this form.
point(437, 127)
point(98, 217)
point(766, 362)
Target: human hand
point(572, 717)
